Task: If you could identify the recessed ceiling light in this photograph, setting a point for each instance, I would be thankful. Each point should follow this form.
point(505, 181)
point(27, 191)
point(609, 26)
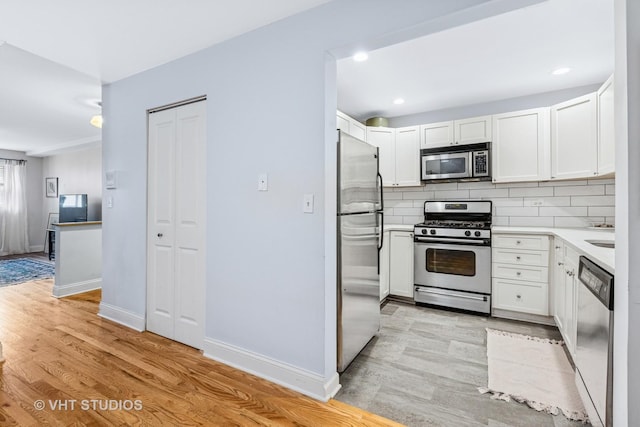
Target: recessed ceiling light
point(360, 56)
point(560, 71)
point(398, 101)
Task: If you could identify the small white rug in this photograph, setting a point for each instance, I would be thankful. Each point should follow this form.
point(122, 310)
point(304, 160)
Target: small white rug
point(532, 370)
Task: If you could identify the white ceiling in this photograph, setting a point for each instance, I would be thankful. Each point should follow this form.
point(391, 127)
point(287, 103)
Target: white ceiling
point(54, 60)
point(57, 53)
point(502, 57)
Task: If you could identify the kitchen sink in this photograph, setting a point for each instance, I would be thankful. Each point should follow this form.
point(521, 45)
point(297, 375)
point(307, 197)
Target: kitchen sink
point(611, 244)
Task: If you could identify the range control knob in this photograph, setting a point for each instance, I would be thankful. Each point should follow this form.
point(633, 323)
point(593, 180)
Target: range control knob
point(424, 231)
point(432, 231)
point(477, 234)
point(467, 233)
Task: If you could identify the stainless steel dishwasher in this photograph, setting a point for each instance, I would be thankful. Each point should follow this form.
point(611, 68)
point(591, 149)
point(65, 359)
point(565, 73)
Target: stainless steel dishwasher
point(594, 343)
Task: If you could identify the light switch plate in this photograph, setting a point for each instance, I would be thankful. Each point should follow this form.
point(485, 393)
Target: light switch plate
point(308, 203)
point(263, 182)
point(111, 179)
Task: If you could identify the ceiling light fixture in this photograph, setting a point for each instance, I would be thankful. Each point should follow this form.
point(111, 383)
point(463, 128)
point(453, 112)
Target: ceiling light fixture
point(360, 56)
point(560, 71)
point(96, 121)
point(398, 101)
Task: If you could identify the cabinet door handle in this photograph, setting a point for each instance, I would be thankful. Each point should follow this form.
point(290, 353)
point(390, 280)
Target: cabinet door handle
point(160, 234)
point(560, 263)
point(518, 273)
point(557, 247)
point(518, 258)
point(518, 296)
point(518, 242)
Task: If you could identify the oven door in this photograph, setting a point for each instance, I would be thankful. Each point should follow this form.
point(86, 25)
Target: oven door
point(459, 266)
point(446, 166)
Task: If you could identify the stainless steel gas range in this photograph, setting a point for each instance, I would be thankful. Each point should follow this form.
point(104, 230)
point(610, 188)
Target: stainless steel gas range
point(452, 255)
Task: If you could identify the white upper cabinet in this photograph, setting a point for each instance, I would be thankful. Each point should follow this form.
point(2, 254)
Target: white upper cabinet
point(351, 126)
point(574, 147)
point(399, 154)
point(520, 149)
point(466, 131)
point(606, 135)
point(385, 140)
point(470, 131)
point(436, 135)
point(407, 156)
point(358, 130)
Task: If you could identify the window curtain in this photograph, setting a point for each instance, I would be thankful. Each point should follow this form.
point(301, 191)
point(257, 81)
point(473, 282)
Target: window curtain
point(14, 238)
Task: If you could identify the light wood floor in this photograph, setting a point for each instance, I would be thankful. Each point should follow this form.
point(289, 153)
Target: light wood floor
point(59, 350)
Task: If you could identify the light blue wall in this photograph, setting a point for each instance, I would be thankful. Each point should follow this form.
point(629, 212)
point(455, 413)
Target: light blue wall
point(270, 268)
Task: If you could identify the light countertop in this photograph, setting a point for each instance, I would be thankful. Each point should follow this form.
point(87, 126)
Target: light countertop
point(77, 224)
point(398, 227)
point(576, 237)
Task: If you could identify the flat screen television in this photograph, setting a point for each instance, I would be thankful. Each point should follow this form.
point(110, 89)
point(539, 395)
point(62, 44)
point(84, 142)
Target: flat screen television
point(72, 208)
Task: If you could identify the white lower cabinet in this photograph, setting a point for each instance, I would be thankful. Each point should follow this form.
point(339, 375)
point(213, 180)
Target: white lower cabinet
point(520, 296)
point(565, 277)
point(559, 297)
point(401, 263)
point(520, 273)
point(384, 266)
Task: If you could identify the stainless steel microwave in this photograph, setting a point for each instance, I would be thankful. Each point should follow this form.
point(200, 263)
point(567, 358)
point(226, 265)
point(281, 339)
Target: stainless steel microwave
point(468, 162)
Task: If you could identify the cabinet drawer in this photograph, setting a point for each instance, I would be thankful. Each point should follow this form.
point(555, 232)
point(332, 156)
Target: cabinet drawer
point(521, 272)
point(513, 241)
point(521, 257)
point(524, 297)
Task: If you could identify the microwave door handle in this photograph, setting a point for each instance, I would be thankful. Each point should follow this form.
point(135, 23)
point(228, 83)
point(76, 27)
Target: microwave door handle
point(470, 164)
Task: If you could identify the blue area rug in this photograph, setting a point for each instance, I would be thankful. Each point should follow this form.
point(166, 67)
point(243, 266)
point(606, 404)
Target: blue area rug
point(14, 271)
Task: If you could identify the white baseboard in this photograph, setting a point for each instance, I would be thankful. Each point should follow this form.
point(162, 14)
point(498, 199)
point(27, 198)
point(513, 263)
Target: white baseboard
point(526, 317)
point(303, 381)
point(122, 316)
point(76, 288)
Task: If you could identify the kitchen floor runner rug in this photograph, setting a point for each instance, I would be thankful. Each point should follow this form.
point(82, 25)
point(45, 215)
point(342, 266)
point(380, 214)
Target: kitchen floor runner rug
point(19, 270)
point(534, 371)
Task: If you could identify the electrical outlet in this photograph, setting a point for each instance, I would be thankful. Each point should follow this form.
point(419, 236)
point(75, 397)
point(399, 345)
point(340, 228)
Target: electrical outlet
point(537, 202)
point(308, 203)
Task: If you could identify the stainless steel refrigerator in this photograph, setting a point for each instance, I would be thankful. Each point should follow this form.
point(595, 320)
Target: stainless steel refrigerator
point(360, 222)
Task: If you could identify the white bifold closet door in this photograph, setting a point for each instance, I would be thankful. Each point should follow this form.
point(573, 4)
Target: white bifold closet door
point(176, 209)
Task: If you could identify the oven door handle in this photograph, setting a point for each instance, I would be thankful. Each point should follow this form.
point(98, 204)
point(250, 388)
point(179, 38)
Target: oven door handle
point(482, 242)
point(429, 291)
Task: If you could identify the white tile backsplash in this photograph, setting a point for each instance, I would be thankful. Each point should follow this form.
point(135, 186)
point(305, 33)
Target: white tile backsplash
point(583, 190)
point(602, 211)
point(516, 211)
point(531, 192)
point(531, 221)
point(574, 203)
point(489, 193)
point(563, 211)
point(593, 200)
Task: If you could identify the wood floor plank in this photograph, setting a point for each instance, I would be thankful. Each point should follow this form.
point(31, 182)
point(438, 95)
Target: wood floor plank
point(59, 351)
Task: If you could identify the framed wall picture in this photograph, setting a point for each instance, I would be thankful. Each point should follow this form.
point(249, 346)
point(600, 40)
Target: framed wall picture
point(51, 186)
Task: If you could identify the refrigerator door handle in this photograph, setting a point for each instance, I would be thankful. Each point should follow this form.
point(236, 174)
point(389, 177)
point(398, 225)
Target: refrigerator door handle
point(381, 192)
point(381, 229)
